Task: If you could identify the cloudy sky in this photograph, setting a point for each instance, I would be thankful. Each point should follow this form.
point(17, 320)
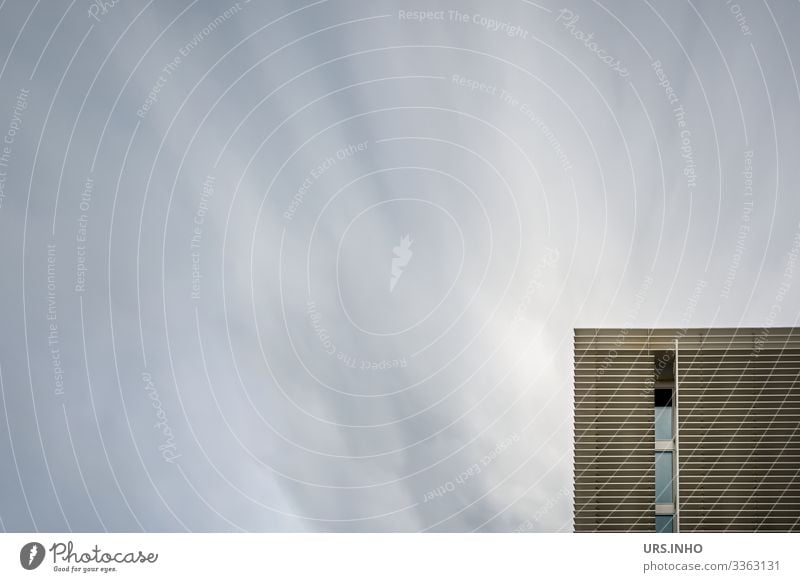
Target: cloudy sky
point(315, 266)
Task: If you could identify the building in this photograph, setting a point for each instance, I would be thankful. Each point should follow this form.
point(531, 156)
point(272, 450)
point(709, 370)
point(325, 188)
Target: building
point(687, 430)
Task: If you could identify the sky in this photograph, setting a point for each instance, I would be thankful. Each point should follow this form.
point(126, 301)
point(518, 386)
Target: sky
point(316, 266)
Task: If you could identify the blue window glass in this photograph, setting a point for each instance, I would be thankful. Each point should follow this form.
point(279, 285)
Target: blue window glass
point(663, 477)
point(664, 524)
point(663, 423)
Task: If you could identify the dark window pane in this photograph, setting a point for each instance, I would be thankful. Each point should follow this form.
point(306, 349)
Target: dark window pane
point(663, 477)
point(664, 524)
point(663, 422)
point(662, 396)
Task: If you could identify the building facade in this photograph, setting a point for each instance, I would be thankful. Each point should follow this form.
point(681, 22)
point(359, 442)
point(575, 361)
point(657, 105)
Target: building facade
point(687, 430)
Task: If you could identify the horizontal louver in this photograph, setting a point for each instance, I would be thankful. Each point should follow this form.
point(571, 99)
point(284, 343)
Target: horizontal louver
point(614, 479)
point(738, 419)
point(739, 429)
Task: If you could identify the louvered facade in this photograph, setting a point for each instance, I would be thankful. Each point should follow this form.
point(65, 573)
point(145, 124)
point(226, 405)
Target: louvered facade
point(732, 452)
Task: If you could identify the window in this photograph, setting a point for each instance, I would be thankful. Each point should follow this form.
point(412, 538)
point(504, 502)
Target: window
point(663, 423)
point(663, 476)
point(662, 398)
point(664, 524)
point(663, 420)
